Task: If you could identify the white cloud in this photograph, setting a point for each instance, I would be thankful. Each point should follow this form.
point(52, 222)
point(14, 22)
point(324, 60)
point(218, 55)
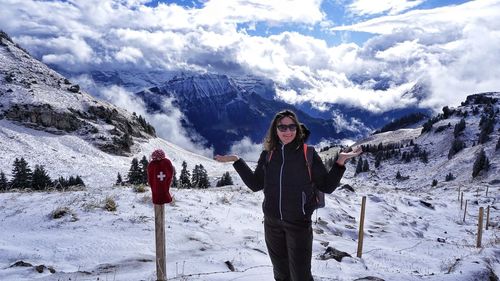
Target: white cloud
point(369, 7)
point(451, 47)
point(168, 124)
point(246, 149)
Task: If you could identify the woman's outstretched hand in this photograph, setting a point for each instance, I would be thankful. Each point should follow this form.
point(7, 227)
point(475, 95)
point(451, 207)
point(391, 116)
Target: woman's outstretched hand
point(226, 158)
point(344, 156)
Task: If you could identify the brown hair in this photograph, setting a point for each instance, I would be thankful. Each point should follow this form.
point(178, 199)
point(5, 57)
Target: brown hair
point(271, 141)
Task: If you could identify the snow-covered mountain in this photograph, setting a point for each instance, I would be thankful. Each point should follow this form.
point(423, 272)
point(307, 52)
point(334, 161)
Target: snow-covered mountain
point(49, 121)
point(403, 150)
point(224, 110)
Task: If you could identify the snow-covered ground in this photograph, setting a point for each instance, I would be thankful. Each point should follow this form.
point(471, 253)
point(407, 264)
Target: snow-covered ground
point(206, 228)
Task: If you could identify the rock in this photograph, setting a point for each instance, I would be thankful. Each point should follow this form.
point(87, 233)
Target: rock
point(369, 278)
point(426, 204)
point(332, 253)
point(21, 263)
point(40, 268)
point(441, 240)
point(229, 265)
point(347, 187)
point(74, 88)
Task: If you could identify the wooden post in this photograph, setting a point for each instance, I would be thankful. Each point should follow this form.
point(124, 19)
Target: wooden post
point(465, 210)
point(487, 217)
point(488, 187)
point(461, 200)
point(161, 271)
point(361, 227)
point(480, 227)
point(459, 193)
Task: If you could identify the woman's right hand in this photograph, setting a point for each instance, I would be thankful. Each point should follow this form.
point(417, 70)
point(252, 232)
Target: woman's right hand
point(226, 158)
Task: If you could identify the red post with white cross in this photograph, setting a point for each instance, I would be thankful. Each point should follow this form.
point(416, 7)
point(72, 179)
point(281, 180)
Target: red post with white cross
point(160, 174)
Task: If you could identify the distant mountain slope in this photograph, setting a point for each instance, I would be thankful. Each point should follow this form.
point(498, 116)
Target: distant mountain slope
point(224, 110)
point(38, 97)
point(436, 140)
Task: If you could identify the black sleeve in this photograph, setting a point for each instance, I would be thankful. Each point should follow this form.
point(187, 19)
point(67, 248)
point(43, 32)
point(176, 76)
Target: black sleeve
point(326, 181)
point(253, 179)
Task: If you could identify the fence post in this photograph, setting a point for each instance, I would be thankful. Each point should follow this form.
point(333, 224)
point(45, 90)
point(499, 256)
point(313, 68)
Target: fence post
point(459, 193)
point(488, 187)
point(161, 271)
point(465, 209)
point(487, 217)
point(480, 227)
point(461, 200)
point(361, 227)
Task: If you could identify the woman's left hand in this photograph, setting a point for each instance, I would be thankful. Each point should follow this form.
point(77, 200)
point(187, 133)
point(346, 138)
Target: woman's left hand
point(344, 156)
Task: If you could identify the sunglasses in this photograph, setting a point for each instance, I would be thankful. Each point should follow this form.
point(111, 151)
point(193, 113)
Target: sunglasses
point(282, 128)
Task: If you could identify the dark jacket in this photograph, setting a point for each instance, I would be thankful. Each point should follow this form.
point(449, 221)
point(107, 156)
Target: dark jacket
point(288, 192)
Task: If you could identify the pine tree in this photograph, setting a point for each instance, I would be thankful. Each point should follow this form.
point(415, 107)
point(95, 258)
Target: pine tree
point(195, 177)
point(40, 180)
point(3, 182)
point(498, 144)
point(144, 169)
point(119, 180)
point(79, 181)
point(482, 163)
point(359, 166)
point(202, 177)
point(456, 146)
point(434, 182)
point(135, 173)
point(225, 180)
point(459, 128)
point(175, 182)
point(449, 177)
point(398, 175)
point(184, 178)
point(21, 174)
point(366, 167)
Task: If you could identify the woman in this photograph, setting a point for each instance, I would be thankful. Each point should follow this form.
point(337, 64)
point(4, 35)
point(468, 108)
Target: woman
point(289, 198)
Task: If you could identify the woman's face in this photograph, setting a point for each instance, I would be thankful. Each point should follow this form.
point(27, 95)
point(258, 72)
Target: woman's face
point(286, 130)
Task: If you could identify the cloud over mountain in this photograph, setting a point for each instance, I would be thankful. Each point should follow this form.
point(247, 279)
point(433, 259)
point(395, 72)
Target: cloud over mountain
point(452, 48)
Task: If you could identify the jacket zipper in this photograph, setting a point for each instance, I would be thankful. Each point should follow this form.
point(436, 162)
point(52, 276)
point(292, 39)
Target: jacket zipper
point(303, 202)
point(281, 176)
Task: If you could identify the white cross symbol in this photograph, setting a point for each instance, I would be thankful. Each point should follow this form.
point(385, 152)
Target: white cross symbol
point(161, 176)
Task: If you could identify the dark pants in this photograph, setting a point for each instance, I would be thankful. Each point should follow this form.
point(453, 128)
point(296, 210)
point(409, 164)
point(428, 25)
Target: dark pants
point(290, 247)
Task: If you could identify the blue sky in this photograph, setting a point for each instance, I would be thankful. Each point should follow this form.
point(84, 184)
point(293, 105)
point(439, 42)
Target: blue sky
point(318, 51)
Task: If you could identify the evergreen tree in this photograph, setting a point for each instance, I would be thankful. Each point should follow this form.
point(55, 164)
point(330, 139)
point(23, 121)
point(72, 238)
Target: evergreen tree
point(498, 144)
point(60, 183)
point(366, 167)
point(144, 169)
point(481, 163)
point(434, 182)
point(378, 158)
point(79, 181)
point(119, 180)
point(225, 180)
point(459, 128)
point(3, 182)
point(449, 177)
point(175, 182)
point(398, 175)
point(424, 156)
point(40, 180)
point(195, 177)
point(135, 172)
point(456, 146)
point(359, 167)
point(21, 174)
point(202, 177)
point(184, 178)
